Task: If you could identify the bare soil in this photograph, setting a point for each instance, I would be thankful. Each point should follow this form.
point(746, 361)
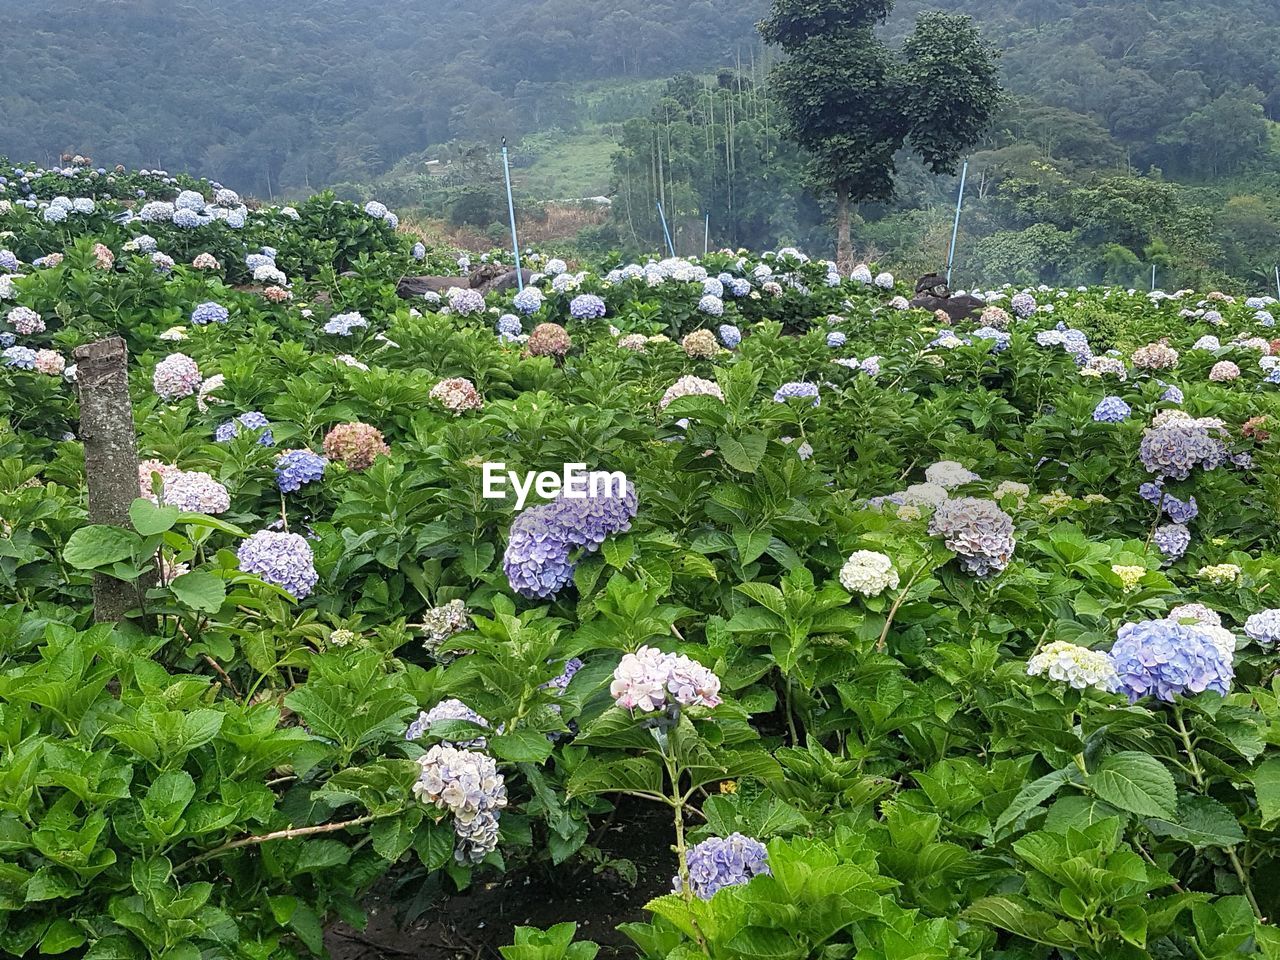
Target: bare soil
point(472, 925)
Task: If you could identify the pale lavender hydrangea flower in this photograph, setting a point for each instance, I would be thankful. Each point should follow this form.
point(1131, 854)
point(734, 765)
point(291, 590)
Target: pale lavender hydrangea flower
point(469, 786)
point(644, 679)
point(1264, 626)
point(586, 306)
point(796, 388)
point(176, 376)
point(282, 559)
point(720, 862)
point(977, 531)
point(448, 710)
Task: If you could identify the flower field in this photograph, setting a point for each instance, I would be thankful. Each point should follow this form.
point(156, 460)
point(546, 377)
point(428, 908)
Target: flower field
point(928, 640)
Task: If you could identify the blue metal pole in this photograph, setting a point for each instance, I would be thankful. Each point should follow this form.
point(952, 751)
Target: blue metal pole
point(1278, 281)
point(706, 236)
point(511, 210)
point(955, 227)
point(1153, 278)
point(665, 232)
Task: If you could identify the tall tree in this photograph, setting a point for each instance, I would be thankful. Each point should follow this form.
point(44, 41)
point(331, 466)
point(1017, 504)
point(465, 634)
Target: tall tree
point(853, 102)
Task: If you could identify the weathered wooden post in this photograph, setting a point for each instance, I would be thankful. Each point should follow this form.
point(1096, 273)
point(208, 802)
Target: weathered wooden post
point(110, 459)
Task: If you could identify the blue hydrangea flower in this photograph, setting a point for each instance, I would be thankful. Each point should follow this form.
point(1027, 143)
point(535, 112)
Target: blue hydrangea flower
point(796, 388)
point(720, 862)
point(9, 261)
point(283, 559)
point(836, 339)
point(1000, 337)
point(586, 306)
point(7, 339)
point(1111, 410)
point(250, 420)
point(738, 287)
point(711, 305)
point(1164, 658)
point(297, 468)
point(419, 251)
point(509, 325)
point(188, 219)
point(209, 312)
point(730, 335)
point(528, 301)
point(376, 210)
point(22, 358)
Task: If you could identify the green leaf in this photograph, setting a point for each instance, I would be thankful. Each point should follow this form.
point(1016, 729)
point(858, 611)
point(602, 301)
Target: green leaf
point(1202, 822)
point(1266, 785)
point(521, 746)
point(392, 836)
point(99, 545)
point(149, 518)
point(1032, 795)
point(62, 935)
point(200, 590)
point(743, 452)
point(1137, 783)
point(476, 558)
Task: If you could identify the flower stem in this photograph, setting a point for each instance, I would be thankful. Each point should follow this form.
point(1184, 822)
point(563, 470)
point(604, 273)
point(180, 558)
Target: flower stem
point(1197, 774)
point(682, 852)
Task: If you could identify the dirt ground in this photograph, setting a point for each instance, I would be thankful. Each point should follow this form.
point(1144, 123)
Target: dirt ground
point(473, 924)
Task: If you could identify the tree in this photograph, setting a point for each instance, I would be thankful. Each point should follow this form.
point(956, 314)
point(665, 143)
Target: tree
point(852, 103)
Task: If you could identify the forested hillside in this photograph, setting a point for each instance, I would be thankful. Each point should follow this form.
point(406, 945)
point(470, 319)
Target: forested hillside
point(1136, 133)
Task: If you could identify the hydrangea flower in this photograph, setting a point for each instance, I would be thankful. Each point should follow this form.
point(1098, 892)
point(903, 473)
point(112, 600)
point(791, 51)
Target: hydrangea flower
point(536, 561)
point(711, 305)
point(1166, 658)
point(884, 280)
point(469, 786)
point(26, 321)
point(282, 559)
point(700, 344)
point(376, 210)
point(355, 445)
point(457, 395)
point(50, 362)
point(1175, 446)
point(509, 325)
point(730, 335)
point(1022, 304)
point(448, 710)
point(949, 474)
point(1224, 371)
point(1172, 540)
point(20, 358)
point(193, 491)
point(9, 261)
point(688, 386)
point(250, 420)
point(1264, 626)
point(977, 531)
point(442, 622)
point(587, 306)
point(1111, 410)
point(1196, 613)
point(1078, 666)
point(209, 313)
point(548, 340)
point(861, 273)
point(643, 681)
point(868, 573)
point(176, 376)
point(464, 301)
point(528, 301)
point(836, 339)
point(796, 388)
point(720, 862)
point(1130, 575)
point(296, 468)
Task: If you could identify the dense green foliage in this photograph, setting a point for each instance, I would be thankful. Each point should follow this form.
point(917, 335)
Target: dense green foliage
point(229, 770)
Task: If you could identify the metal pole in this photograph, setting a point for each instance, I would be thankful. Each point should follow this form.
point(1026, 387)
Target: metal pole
point(1153, 278)
point(665, 232)
point(706, 236)
point(1278, 281)
point(511, 210)
point(955, 227)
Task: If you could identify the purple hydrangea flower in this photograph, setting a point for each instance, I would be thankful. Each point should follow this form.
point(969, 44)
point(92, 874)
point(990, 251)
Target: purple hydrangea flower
point(469, 785)
point(9, 261)
point(297, 468)
point(509, 325)
point(464, 301)
point(541, 538)
point(1023, 304)
point(730, 335)
point(1111, 410)
point(586, 306)
point(720, 862)
point(250, 420)
point(528, 301)
point(209, 313)
point(1172, 540)
point(1165, 658)
point(561, 683)
point(282, 559)
point(1174, 448)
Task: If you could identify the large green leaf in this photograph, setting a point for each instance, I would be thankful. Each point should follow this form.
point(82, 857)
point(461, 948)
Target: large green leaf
point(200, 590)
point(100, 545)
point(1137, 783)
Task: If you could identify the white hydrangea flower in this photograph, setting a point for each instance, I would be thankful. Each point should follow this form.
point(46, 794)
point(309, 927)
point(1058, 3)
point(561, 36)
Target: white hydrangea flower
point(1078, 666)
point(868, 573)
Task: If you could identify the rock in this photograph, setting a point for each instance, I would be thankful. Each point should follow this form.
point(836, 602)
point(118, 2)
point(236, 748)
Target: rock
point(932, 294)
